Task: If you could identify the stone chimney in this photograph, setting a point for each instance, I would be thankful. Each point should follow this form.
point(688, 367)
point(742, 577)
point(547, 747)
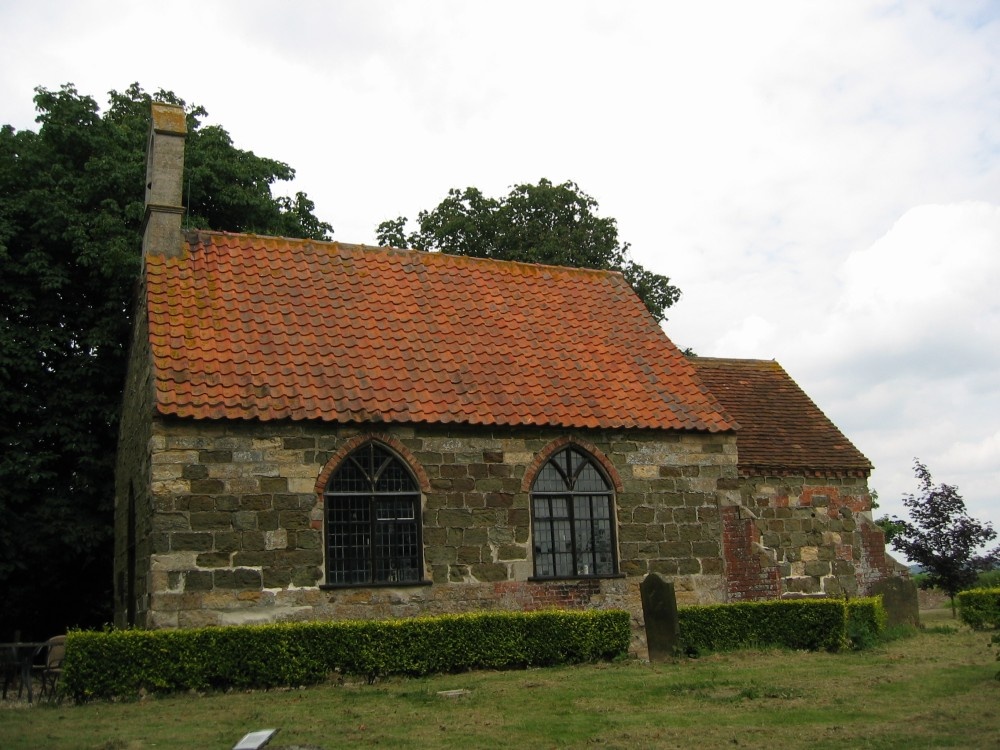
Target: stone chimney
point(164, 181)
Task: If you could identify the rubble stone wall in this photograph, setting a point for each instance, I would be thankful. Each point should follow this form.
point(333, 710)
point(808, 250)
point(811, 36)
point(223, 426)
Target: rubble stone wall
point(820, 532)
point(235, 520)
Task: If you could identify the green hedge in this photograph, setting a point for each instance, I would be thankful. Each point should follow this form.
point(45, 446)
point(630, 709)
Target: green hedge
point(980, 608)
point(121, 663)
point(811, 624)
point(866, 621)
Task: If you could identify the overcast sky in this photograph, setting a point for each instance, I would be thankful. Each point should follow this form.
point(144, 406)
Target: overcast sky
point(821, 179)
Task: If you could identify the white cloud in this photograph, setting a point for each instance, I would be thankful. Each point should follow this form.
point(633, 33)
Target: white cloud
point(923, 295)
point(981, 455)
point(907, 363)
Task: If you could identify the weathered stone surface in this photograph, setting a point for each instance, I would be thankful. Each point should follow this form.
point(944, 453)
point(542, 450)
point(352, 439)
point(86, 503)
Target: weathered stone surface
point(659, 611)
point(900, 598)
point(198, 580)
point(262, 520)
point(240, 578)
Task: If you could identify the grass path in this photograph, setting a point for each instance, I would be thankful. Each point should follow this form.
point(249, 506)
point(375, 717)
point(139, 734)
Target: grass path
point(934, 689)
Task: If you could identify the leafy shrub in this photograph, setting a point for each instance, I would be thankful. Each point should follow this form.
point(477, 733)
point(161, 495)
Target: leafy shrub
point(989, 579)
point(980, 608)
point(810, 624)
point(121, 663)
point(866, 620)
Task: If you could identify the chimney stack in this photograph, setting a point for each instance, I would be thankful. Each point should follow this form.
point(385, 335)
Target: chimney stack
point(164, 181)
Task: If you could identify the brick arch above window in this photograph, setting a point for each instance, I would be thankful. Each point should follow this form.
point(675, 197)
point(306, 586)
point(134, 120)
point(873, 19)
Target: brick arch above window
point(558, 444)
point(372, 437)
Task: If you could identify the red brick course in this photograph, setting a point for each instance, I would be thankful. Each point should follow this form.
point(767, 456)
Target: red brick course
point(747, 579)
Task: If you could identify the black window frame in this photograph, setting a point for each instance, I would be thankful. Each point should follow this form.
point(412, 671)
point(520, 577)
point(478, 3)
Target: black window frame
point(380, 514)
point(571, 508)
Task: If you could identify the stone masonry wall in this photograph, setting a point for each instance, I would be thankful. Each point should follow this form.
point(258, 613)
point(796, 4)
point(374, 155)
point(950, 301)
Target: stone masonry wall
point(876, 563)
point(132, 483)
point(820, 532)
point(237, 520)
point(751, 570)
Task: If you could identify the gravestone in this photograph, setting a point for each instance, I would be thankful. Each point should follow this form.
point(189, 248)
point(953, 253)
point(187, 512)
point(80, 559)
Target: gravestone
point(899, 596)
point(659, 610)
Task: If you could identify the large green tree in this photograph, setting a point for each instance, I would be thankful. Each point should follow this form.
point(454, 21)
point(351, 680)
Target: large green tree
point(543, 223)
point(71, 209)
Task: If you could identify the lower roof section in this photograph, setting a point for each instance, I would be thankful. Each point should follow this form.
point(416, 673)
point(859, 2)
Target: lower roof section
point(782, 432)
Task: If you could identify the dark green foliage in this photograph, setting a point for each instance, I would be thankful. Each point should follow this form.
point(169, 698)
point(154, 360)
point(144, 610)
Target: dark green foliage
point(980, 608)
point(810, 624)
point(122, 663)
point(866, 621)
point(942, 538)
point(71, 210)
point(890, 528)
point(989, 579)
point(544, 223)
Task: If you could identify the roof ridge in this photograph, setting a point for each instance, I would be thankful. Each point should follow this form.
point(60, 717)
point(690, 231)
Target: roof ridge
point(696, 359)
point(194, 236)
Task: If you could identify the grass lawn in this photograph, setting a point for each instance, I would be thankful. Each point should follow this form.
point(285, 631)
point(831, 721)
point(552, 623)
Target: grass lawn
point(933, 689)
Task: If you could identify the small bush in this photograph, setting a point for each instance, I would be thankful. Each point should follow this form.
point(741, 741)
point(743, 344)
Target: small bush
point(989, 579)
point(980, 608)
point(125, 662)
point(866, 620)
point(809, 624)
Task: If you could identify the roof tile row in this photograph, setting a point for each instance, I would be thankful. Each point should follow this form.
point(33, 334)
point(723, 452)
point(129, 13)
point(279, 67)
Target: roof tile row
point(243, 326)
point(781, 429)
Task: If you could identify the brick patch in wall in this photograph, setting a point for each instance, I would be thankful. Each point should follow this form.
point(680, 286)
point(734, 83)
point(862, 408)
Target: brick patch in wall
point(747, 578)
point(531, 595)
point(875, 563)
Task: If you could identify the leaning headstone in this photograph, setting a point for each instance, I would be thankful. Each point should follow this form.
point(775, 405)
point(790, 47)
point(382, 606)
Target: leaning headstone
point(659, 610)
point(899, 596)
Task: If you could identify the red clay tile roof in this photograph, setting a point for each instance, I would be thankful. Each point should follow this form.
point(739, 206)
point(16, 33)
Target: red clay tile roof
point(781, 430)
point(250, 327)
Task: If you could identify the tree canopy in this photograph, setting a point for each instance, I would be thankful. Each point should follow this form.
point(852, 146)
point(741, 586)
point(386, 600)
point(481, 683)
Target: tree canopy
point(543, 223)
point(71, 210)
point(941, 537)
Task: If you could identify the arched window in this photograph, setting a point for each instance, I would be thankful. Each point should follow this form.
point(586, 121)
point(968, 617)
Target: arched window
point(372, 520)
point(572, 522)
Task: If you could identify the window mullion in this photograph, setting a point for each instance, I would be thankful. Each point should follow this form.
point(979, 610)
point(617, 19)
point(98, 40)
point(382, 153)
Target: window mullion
point(571, 506)
point(592, 561)
point(372, 533)
point(551, 523)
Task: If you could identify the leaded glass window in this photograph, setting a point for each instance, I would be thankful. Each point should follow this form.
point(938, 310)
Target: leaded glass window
point(572, 522)
point(372, 520)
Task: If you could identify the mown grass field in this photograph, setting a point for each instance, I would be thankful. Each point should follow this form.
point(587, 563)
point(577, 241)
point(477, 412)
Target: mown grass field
point(934, 689)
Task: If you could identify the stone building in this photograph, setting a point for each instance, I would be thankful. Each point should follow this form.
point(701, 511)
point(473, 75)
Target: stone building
point(320, 430)
point(804, 498)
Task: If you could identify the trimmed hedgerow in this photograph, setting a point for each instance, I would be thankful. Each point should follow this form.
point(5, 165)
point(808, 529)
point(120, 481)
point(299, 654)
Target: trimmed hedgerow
point(866, 620)
point(810, 624)
point(980, 608)
point(122, 663)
